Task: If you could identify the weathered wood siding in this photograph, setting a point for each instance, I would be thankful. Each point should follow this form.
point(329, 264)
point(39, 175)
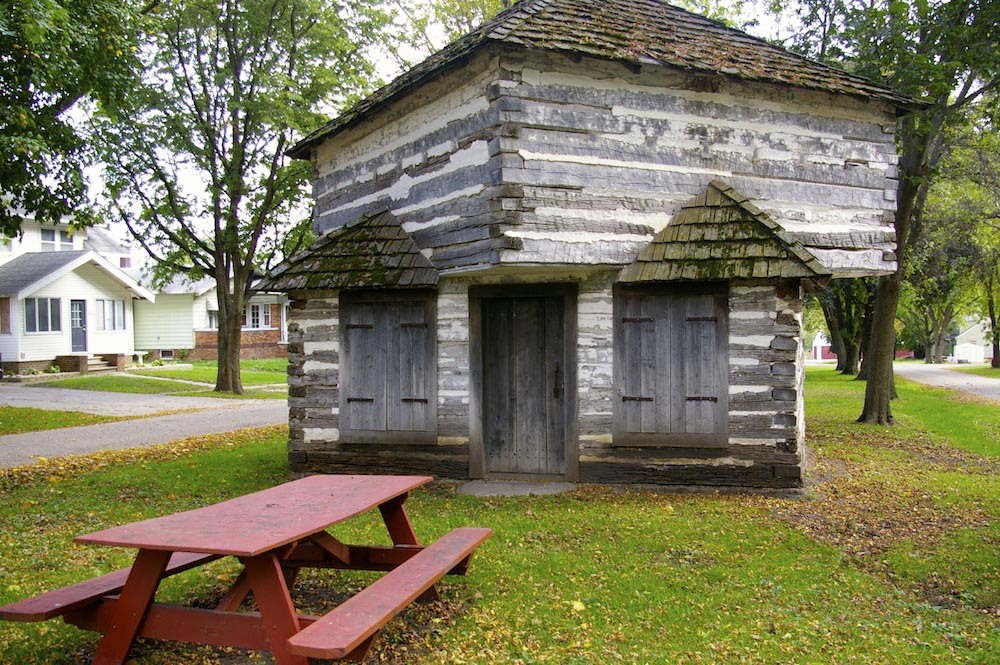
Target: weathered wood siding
point(433, 161)
point(600, 158)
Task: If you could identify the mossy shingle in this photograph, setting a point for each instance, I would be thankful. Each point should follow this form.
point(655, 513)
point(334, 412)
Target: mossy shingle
point(720, 235)
point(371, 252)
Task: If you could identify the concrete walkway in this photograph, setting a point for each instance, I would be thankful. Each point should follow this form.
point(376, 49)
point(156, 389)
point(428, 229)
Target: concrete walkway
point(201, 415)
point(942, 377)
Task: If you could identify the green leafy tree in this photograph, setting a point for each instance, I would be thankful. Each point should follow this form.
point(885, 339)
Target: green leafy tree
point(196, 164)
point(969, 196)
point(938, 285)
point(847, 306)
point(946, 52)
point(55, 54)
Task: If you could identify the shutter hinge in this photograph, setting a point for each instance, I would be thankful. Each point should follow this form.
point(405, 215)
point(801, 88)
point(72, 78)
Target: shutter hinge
point(362, 326)
point(700, 398)
point(637, 319)
point(702, 318)
point(413, 400)
point(360, 399)
point(636, 398)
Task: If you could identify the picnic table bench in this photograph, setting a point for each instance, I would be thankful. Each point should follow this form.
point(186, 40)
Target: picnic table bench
point(274, 533)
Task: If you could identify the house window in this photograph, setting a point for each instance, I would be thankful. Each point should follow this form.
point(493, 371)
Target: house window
point(124, 262)
point(111, 315)
point(671, 367)
point(42, 315)
point(213, 319)
point(5, 316)
point(53, 240)
point(257, 316)
point(388, 368)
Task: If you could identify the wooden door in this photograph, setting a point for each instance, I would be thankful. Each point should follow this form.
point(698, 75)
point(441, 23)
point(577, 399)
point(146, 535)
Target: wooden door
point(524, 385)
point(78, 325)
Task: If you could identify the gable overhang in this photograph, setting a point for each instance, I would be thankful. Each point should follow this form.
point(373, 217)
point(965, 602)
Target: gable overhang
point(98, 261)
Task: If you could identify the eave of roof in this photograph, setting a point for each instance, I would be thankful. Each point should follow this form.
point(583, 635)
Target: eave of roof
point(371, 252)
point(29, 272)
point(632, 31)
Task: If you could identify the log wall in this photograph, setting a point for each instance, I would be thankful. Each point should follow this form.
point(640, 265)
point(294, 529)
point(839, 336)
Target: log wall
point(532, 157)
point(765, 426)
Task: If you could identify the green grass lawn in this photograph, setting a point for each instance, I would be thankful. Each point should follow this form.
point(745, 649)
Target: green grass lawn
point(17, 420)
point(891, 559)
point(269, 371)
point(978, 370)
point(165, 385)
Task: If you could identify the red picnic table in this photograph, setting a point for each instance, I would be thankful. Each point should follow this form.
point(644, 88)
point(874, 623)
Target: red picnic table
point(274, 533)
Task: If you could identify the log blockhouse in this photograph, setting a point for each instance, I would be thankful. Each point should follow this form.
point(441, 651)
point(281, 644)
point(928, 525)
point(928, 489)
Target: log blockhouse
point(574, 243)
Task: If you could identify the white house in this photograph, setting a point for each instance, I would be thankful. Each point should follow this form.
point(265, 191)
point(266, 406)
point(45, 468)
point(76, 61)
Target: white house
point(65, 300)
point(972, 343)
point(184, 320)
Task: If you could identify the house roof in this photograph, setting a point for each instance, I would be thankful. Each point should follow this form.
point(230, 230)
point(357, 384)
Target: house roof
point(25, 274)
point(632, 31)
point(720, 235)
point(370, 252)
point(103, 242)
point(182, 285)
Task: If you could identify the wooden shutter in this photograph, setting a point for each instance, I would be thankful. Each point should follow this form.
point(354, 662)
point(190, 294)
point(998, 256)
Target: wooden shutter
point(364, 391)
point(388, 368)
point(410, 376)
point(671, 366)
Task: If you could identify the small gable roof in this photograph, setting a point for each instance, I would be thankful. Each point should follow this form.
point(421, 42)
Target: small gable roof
point(371, 252)
point(632, 31)
point(25, 274)
point(721, 235)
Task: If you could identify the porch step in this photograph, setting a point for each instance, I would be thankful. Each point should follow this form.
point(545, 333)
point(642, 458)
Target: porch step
point(95, 365)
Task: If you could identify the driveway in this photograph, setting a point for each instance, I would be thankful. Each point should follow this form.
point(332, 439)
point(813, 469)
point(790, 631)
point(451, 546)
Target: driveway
point(942, 377)
point(199, 416)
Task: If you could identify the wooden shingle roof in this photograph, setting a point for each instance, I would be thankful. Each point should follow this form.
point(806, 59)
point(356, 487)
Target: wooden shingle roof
point(637, 32)
point(720, 235)
point(371, 252)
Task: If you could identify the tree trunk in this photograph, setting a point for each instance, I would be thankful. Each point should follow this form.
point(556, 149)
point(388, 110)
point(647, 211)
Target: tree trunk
point(839, 349)
point(227, 377)
point(991, 305)
point(852, 356)
point(880, 387)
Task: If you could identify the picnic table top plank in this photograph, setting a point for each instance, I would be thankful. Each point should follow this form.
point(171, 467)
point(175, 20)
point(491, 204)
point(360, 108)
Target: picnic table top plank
point(256, 523)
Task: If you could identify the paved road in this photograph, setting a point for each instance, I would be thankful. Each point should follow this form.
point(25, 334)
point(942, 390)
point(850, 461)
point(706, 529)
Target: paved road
point(203, 415)
point(942, 377)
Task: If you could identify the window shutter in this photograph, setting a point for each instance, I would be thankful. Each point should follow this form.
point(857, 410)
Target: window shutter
point(364, 341)
point(408, 399)
point(671, 365)
point(388, 381)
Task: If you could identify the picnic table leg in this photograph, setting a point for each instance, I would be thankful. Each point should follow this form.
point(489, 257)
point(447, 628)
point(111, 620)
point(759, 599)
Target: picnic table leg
point(133, 605)
point(276, 610)
point(397, 521)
